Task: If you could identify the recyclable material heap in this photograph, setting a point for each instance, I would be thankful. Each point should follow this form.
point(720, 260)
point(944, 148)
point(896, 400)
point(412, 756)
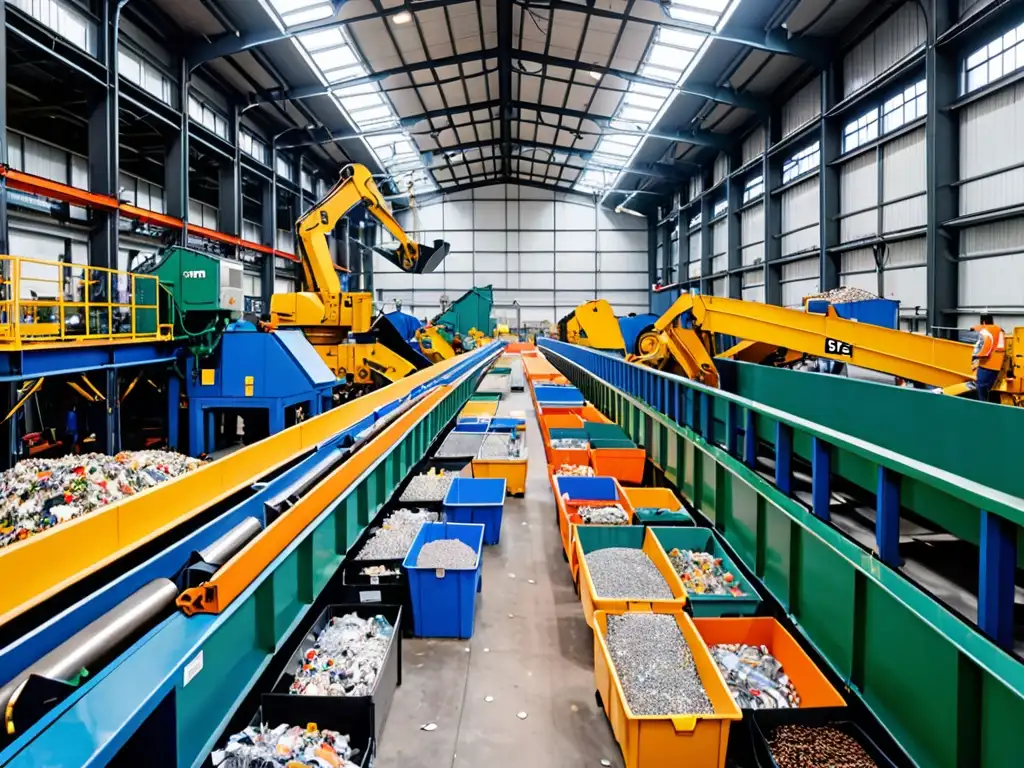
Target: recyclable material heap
point(569, 444)
point(626, 572)
point(612, 514)
point(502, 447)
point(844, 295)
point(702, 573)
point(427, 488)
point(346, 658)
point(395, 536)
point(446, 553)
point(38, 494)
point(800, 746)
point(655, 666)
point(754, 677)
point(285, 747)
point(460, 445)
point(574, 470)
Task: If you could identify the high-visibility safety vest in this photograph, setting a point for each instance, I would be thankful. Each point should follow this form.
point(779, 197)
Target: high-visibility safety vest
point(990, 348)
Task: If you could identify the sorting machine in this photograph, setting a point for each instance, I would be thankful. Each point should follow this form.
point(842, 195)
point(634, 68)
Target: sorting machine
point(117, 649)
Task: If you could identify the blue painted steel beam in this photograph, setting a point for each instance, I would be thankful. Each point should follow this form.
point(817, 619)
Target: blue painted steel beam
point(750, 439)
point(997, 562)
point(707, 423)
point(887, 518)
point(59, 361)
point(732, 427)
point(784, 457)
point(173, 410)
point(821, 478)
point(777, 40)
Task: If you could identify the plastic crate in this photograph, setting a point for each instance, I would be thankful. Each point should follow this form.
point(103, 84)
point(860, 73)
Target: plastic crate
point(589, 413)
point(599, 431)
point(561, 421)
point(491, 397)
point(813, 687)
point(612, 442)
point(339, 712)
point(444, 601)
point(506, 424)
point(657, 506)
point(477, 500)
point(764, 722)
point(473, 424)
point(479, 408)
point(705, 540)
point(501, 370)
point(586, 490)
point(558, 396)
point(512, 471)
point(665, 741)
point(589, 538)
point(624, 464)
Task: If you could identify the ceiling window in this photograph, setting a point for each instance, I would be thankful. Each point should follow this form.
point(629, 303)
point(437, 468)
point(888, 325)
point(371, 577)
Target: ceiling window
point(999, 58)
point(861, 131)
point(905, 107)
point(284, 168)
point(668, 61)
point(288, 13)
point(252, 145)
point(753, 189)
point(64, 19)
point(804, 161)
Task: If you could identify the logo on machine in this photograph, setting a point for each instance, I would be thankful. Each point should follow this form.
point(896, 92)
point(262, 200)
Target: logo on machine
point(200, 273)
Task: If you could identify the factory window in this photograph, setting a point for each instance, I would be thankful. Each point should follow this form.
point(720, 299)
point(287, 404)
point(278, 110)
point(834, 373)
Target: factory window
point(753, 189)
point(720, 207)
point(1001, 57)
point(252, 145)
point(695, 221)
point(138, 70)
point(284, 168)
point(861, 131)
point(904, 107)
point(63, 19)
point(307, 181)
point(203, 114)
point(804, 161)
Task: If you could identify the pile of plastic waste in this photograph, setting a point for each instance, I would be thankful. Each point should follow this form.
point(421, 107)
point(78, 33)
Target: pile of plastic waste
point(285, 746)
point(346, 658)
point(755, 677)
point(702, 573)
point(37, 494)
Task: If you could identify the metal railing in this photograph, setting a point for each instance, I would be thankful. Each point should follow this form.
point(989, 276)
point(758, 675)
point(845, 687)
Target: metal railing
point(50, 301)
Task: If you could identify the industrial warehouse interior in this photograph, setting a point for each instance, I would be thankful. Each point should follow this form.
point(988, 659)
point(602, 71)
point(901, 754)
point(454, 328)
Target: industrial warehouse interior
point(503, 383)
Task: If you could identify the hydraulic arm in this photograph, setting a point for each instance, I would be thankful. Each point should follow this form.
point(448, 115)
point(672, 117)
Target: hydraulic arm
point(593, 324)
point(683, 338)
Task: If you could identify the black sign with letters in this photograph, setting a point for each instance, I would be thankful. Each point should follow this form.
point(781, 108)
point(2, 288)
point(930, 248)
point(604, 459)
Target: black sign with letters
point(836, 347)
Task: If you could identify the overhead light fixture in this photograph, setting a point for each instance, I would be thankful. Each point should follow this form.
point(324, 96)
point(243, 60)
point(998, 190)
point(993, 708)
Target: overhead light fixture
point(595, 75)
point(402, 17)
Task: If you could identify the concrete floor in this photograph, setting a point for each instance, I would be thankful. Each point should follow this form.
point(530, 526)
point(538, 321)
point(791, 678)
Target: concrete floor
point(538, 661)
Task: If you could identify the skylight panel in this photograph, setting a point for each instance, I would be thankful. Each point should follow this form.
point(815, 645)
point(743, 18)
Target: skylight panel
point(343, 75)
point(611, 148)
point(305, 16)
point(327, 38)
point(650, 90)
point(661, 73)
point(688, 13)
point(355, 90)
point(335, 58)
point(637, 116)
point(355, 103)
point(681, 38)
point(635, 99)
point(670, 58)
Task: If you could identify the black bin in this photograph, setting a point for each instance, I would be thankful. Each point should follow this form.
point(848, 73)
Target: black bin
point(763, 722)
point(342, 713)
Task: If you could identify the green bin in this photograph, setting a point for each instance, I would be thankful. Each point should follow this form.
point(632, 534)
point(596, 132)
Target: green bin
point(598, 431)
point(612, 443)
point(568, 433)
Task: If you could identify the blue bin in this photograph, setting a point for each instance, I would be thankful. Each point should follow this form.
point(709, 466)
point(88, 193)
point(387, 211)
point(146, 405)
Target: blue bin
point(444, 601)
point(506, 425)
point(587, 488)
point(472, 425)
point(477, 500)
point(559, 397)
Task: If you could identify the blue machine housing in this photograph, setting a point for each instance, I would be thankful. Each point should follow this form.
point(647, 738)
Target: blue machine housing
point(252, 369)
point(632, 327)
point(881, 312)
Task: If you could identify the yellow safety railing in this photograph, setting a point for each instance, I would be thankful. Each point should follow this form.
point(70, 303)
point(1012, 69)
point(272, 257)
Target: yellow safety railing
point(55, 302)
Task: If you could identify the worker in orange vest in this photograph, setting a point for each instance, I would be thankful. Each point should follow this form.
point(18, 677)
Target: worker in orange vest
point(988, 356)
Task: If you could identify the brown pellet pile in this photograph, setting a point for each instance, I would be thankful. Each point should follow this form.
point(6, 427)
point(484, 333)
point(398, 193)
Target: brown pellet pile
point(799, 746)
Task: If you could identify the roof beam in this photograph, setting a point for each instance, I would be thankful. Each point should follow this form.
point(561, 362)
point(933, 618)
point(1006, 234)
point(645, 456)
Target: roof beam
point(504, 11)
point(715, 93)
point(231, 43)
point(471, 145)
point(777, 40)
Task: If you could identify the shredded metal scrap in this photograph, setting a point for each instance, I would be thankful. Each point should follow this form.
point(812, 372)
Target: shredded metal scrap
point(446, 553)
point(428, 488)
point(346, 658)
point(500, 446)
point(626, 572)
point(844, 295)
point(612, 514)
point(396, 534)
point(655, 666)
point(754, 677)
point(460, 445)
point(569, 443)
point(285, 747)
point(38, 494)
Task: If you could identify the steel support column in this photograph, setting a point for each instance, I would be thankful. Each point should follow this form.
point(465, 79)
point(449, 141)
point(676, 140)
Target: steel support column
point(943, 158)
point(997, 559)
point(734, 254)
point(5, 244)
point(504, 9)
point(654, 233)
point(830, 143)
point(176, 163)
point(887, 518)
point(112, 435)
point(707, 208)
point(229, 190)
point(103, 141)
point(772, 170)
point(173, 412)
point(268, 236)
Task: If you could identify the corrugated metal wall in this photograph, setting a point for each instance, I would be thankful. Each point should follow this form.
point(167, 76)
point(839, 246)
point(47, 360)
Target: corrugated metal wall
point(693, 266)
point(904, 172)
point(719, 247)
point(802, 108)
point(753, 146)
point(901, 34)
point(696, 186)
point(548, 252)
point(858, 198)
point(800, 211)
point(799, 278)
point(752, 234)
point(721, 167)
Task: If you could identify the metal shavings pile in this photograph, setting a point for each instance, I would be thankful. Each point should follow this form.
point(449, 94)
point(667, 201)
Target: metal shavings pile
point(626, 572)
point(346, 658)
point(446, 553)
point(702, 574)
point(613, 514)
point(575, 470)
point(396, 534)
point(501, 447)
point(655, 666)
point(801, 746)
point(38, 494)
point(285, 747)
point(460, 445)
point(569, 443)
point(844, 295)
point(755, 677)
point(431, 487)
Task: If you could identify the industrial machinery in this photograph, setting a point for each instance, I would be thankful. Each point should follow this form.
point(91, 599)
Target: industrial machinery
point(683, 340)
point(337, 323)
point(593, 324)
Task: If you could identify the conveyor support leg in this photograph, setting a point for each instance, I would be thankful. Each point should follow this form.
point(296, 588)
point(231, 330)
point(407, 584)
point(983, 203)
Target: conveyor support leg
point(750, 439)
point(113, 413)
point(887, 518)
point(784, 457)
point(997, 558)
point(821, 478)
point(173, 398)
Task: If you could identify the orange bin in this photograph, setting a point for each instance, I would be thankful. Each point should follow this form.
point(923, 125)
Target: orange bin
point(590, 413)
point(569, 519)
point(517, 347)
point(624, 464)
point(814, 688)
point(666, 741)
